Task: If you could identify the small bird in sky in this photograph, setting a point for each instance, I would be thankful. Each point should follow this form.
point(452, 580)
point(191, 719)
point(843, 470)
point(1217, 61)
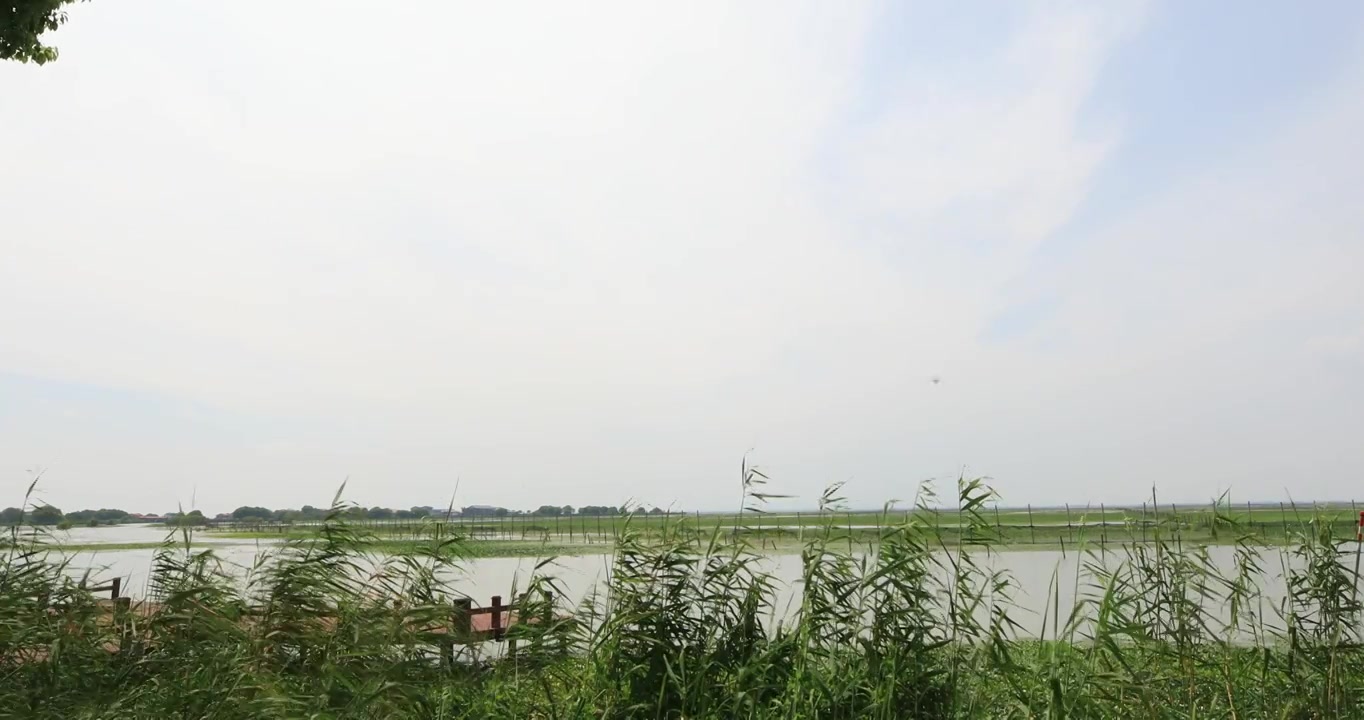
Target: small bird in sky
point(935, 379)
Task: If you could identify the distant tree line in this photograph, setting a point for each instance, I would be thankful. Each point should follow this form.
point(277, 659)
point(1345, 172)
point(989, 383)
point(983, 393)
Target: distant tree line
point(50, 515)
point(250, 514)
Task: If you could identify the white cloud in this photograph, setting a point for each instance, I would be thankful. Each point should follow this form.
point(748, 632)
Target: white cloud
point(575, 253)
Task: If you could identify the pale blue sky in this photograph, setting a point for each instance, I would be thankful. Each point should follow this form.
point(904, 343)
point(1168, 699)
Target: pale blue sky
point(583, 254)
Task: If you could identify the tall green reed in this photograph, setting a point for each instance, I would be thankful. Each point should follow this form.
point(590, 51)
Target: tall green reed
point(926, 622)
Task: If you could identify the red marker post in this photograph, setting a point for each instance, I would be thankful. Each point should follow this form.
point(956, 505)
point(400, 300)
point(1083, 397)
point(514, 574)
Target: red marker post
point(1359, 529)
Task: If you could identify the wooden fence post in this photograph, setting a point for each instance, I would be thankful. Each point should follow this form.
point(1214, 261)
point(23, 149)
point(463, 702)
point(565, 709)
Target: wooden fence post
point(1032, 529)
point(497, 618)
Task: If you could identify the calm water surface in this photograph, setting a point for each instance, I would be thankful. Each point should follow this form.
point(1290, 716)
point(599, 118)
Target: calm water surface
point(1032, 570)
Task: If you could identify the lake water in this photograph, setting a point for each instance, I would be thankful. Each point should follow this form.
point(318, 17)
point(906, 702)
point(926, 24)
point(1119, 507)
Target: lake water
point(1032, 570)
point(123, 534)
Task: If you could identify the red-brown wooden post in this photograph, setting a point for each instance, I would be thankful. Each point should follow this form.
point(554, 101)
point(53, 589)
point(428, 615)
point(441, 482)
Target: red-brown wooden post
point(497, 617)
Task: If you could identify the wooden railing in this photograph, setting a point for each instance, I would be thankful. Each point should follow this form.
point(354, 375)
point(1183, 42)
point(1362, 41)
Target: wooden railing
point(468, 624)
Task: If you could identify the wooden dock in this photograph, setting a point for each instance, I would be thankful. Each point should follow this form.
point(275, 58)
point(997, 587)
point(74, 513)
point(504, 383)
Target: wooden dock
point(467, 624)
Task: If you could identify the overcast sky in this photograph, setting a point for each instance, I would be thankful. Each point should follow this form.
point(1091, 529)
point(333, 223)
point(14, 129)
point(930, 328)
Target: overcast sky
point(584, 252)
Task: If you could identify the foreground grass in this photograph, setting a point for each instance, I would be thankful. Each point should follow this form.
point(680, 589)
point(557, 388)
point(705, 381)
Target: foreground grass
point(339, 624)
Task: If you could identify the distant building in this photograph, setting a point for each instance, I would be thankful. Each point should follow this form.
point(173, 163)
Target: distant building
point(484, 510)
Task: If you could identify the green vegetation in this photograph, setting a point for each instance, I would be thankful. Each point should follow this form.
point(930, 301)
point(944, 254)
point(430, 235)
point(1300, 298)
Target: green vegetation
point(193, 518)
point(686, 628)
point(22, 24)
point(252, 515)
point(45, 515)
point(1021, 528)
point(50, 515)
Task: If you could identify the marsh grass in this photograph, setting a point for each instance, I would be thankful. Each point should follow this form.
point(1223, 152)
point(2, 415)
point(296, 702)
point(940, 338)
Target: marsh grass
point(337, 625)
